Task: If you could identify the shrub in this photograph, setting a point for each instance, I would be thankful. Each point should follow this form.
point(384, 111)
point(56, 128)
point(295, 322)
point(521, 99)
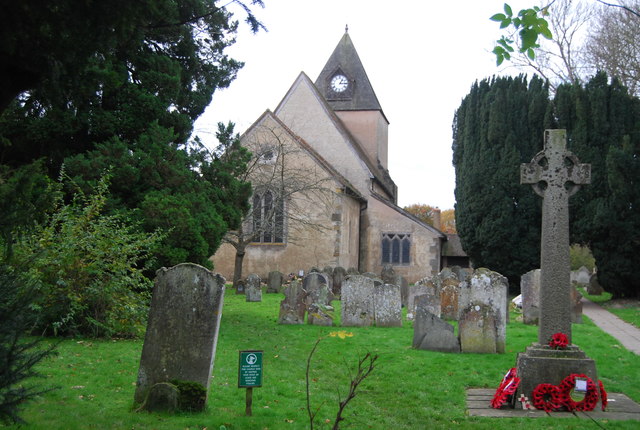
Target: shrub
point(89, 269)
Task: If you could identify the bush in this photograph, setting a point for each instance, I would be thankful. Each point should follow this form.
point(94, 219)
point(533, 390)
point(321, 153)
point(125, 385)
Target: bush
point(89, 269)
point(581, 256)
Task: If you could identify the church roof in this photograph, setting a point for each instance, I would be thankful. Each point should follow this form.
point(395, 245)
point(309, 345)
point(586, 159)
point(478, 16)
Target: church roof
point(345, 60)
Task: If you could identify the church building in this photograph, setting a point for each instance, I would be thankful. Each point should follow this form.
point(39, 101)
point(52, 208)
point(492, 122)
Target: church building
point(323, 195)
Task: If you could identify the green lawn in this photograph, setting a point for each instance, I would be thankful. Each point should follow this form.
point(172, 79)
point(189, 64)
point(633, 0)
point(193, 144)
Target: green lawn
point(625, 310)
point(409, 389)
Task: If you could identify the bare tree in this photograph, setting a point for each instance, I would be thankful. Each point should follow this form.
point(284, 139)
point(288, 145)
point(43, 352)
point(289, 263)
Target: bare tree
point(286, 183)
point(613, 44)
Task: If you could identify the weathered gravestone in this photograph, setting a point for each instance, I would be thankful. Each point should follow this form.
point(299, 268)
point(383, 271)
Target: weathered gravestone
point(428, 287)
point(387, 305)
point(182, 330)
point(318, 288)
point(449, 296)
point(274, 281)
point(489, 288)
point(594, 288)
point(430, 332)
point(530, 288)
point(388, 275)
point(352, 271)
point(253, 288)
point(339, 273)
point(555, 175)
point(581, 276)
point(478, 329)
point(240, 287)
point(319, 297)
point(293, 307)
point(357, 301)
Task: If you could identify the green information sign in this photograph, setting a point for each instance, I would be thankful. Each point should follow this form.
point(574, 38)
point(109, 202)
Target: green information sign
point(250, 369)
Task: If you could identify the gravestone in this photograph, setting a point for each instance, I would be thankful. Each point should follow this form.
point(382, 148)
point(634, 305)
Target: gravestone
point(357, 301)
point(318, 314)
point(581, 276)
point(555, 174)
point(318, 288)
point(404, 289)
point(339, 273)
point(352, 271)
point(594, 288)
point(478, 330)
point(293, 307)
point(253, 288)
point(489, 288)
point(449, 296)
point(430, 332)
point(414, 291)
point(182, 330)
point(388, 275)
point(387, 306)
point(240, 287)
point(274, 281)
point(530, 288)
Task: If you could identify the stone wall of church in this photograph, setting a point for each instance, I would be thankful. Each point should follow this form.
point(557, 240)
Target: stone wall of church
point(371, 130)
point(381, 219)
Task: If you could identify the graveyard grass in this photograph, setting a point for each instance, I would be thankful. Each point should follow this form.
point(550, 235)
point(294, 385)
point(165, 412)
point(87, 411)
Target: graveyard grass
point(408, 389)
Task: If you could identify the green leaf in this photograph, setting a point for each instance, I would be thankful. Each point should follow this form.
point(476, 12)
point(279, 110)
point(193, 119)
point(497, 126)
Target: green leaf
point(531, 53)
point(506, 23)
point(498, 17)
point(507, 10)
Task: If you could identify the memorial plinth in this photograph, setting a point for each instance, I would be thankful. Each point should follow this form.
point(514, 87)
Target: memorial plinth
point(555, 174)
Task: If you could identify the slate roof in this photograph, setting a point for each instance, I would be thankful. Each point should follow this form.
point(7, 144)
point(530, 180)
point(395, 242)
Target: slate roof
point(346, 60)
point(453, 247)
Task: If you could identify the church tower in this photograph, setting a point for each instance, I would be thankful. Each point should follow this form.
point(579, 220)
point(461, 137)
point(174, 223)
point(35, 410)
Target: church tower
point(344, 84)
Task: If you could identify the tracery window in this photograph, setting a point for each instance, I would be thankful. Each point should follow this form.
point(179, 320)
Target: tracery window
point(268, 218)
point(396, 248)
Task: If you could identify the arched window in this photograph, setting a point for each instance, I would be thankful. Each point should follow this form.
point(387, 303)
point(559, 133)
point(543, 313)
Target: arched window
point(396, 248)
point(268, 218)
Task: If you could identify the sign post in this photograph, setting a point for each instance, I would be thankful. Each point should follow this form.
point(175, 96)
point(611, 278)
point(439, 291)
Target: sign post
point(249, 375)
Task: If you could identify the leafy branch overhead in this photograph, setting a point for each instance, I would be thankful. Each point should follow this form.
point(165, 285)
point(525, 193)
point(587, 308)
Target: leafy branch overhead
point(529, 24)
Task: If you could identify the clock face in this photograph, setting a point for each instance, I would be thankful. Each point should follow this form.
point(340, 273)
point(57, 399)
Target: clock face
point(339, 83)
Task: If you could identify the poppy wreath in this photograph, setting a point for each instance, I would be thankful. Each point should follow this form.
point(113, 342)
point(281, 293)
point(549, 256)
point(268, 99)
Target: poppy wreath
point(603, 395)
point(559, 341)
point(547, 397)
point(507, 388)
point(590, 399)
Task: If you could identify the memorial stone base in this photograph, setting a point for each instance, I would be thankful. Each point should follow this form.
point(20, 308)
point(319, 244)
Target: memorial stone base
point(541, 364)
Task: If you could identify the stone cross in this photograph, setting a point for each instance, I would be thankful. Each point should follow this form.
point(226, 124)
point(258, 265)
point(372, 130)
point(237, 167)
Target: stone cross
point(555, 174)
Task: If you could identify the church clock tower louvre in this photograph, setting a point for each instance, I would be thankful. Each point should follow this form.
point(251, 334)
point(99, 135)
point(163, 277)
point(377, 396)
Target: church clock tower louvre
point(345, 86)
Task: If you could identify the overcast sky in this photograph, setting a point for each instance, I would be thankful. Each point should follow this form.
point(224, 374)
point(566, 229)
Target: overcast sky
point(421, 58)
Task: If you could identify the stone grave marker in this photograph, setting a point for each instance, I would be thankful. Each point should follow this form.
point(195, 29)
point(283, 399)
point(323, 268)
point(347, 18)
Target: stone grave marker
point(339, 273)
point(530, 288)
point(478, 329)
point(274, 281)
point(449, 299)
point(491, 289)
point(388, 275)
point(253, 288)
point(357, 301)
point(293, 307)
point(430, 332)
point(352, 271)
point(594, 288)
point(318, 288)
point(555, 174)
point(582, 276)
point(182, 330)
point(387, 305)
point(414, 291)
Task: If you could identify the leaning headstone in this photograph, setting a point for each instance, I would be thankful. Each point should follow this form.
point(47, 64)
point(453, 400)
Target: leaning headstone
point(293, 307)
point(530, 288)
point(182, 329)
point(339, 273)
point(319, 314)
point(274, 281)
point(388, 275)
point(555, 174)
point(387, 306)
point(253, 288)
point(432, 333)
point(357, 301)
point(594, 288)
point(318, 288)
point(478, 329)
